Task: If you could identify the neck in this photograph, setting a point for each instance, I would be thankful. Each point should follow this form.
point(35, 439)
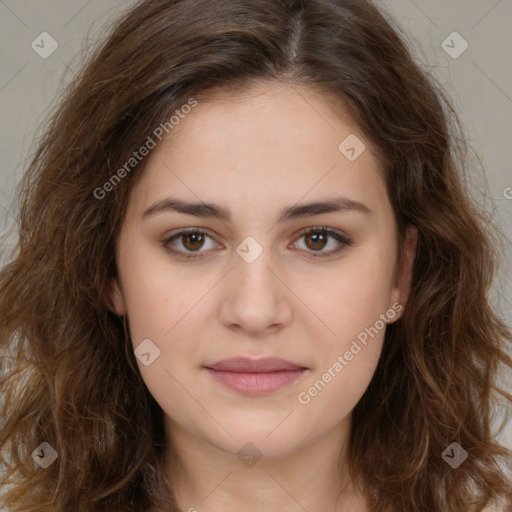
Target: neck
point(314, 476)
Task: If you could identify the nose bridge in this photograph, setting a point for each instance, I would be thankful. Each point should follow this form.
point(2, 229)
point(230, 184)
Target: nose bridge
point(256, 298)
point(252, 272)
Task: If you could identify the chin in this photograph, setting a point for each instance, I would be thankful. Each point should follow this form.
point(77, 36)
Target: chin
point(257, 443)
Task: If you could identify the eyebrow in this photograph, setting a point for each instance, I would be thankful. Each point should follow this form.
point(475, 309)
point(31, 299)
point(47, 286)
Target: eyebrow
point(210, 210)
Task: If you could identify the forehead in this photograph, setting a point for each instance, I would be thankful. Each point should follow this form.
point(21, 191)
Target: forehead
point(273, 144)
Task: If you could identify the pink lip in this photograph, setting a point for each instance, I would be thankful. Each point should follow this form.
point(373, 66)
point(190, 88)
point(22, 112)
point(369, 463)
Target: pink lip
point(247, 365)
point(255, 376)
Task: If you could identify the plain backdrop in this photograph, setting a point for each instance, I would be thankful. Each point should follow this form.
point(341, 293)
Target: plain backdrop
point(478, 81)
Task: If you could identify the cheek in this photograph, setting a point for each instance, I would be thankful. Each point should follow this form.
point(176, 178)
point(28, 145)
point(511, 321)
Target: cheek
point(166, 309)
point(346, 361)
point(150, 310)
point(349, 299)
point(156, 295)
point(165, 316)
point(353, 308)
point(333, 394)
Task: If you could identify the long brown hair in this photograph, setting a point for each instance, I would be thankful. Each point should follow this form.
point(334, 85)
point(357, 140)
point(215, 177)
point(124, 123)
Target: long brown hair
point(70, 377)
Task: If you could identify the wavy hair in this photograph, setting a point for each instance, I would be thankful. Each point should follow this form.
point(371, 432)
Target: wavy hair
point(70, 377)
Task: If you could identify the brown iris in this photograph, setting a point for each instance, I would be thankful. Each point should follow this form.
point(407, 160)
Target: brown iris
point(319, 240)
point(196, 241)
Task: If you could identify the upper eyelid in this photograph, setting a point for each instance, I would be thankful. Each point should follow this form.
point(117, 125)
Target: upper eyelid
point(186, 231)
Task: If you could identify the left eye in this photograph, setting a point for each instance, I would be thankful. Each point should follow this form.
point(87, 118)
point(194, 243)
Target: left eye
point(316, 240)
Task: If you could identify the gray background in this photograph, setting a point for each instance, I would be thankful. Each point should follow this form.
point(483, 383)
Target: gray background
point(479, 83)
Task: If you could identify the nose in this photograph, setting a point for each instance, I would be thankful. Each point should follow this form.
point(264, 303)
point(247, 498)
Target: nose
point(255, 298)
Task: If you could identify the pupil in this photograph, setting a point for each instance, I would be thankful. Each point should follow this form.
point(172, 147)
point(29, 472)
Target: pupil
point(197, 241)
point(317, 237)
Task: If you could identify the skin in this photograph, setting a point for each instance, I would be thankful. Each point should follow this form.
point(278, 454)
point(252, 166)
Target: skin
point(255, 153)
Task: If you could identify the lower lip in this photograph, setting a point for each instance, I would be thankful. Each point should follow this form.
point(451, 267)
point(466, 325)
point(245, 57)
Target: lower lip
point(256, 383)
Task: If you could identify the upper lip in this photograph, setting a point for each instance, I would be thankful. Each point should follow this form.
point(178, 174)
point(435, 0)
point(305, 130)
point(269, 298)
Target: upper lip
point(248, 365)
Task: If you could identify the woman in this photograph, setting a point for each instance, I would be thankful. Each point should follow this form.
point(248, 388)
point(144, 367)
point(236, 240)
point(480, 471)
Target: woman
point(250, 277)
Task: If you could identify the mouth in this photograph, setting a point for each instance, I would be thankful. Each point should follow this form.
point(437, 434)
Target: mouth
point(255, 376)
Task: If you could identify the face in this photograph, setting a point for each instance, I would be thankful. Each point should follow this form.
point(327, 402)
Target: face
point(313, 286)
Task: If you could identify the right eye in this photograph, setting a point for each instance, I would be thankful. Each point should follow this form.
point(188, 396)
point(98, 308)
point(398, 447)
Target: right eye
point(191, 241)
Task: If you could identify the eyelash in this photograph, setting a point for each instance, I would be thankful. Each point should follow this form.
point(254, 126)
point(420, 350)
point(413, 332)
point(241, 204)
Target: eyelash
point(342, 239)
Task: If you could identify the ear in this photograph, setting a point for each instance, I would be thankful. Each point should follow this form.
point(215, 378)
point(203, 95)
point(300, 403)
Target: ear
point(115, 298)
point(403, 270)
